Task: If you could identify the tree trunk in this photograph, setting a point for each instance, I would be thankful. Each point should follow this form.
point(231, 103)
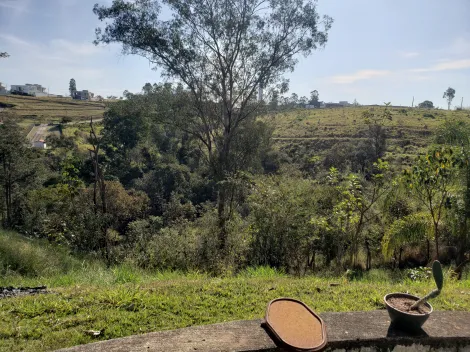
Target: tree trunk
point(356, 239)
point(222, 170)
point(463, 240)
point(399, 256)
point(222, 220)
point(311, 261)
point(369, 256)
point(428, 252)
point(5, 189)
point(436, 239)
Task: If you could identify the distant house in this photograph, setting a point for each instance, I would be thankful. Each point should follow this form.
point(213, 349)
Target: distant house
point(3, 90)
point(83, 95)
point(333, 105)
point(344, 103)
point(317, 105)
point(40, 144)
point(35, 90)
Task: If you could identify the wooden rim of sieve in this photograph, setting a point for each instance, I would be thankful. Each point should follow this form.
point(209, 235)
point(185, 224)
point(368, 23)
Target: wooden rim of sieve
point(277, 338)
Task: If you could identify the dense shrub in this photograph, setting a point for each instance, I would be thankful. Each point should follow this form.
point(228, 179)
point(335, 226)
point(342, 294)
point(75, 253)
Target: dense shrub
point(281, 209)
point(187, 245)
point(31, 257)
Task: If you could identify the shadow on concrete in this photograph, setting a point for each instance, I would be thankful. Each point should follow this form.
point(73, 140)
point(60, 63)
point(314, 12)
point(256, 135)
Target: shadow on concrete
point(395, 331)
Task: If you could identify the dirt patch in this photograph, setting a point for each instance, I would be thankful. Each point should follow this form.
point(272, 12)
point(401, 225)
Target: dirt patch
point(6, 292)
point(403, 304)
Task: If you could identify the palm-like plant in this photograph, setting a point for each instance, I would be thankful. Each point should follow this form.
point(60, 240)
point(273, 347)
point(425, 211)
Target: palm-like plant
point(410, 230)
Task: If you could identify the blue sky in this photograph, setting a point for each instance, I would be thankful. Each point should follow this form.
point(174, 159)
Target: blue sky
point(378, 50)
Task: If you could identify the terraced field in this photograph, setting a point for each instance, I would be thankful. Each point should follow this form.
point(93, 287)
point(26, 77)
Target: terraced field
point(305, 133)
point(51, 110)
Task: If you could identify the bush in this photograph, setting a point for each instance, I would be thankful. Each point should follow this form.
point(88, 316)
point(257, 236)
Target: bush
point(281, 209)
point(419, 274)
point(31, 257)
point(427, 104)
point(186, 245)
point(66, 119)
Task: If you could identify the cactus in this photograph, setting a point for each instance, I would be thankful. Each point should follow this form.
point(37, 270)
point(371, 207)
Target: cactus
point(438, 278)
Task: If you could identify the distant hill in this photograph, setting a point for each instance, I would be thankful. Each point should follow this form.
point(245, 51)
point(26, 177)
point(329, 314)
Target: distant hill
point(302, 133)
point(48, 109)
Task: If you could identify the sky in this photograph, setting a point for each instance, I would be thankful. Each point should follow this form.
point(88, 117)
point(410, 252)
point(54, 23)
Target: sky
point(378, 51)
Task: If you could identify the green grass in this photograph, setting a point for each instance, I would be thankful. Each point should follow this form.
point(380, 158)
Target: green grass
point(123, 300)
point(31, 258)
point(59, 319)
point(80, 134)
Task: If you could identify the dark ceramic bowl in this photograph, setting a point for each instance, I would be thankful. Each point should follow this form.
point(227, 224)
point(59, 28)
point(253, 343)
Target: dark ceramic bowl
point(403, 320)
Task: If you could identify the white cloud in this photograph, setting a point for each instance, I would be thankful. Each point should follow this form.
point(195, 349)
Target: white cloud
point(67, 47)
point(55, 50)
point(418, 78)
point(15, 41)
point(445, 66)
point(409, 54)
point(358, 76)
point(20, 6)
point(460, 46)
point(56, 58)
point(415, 75)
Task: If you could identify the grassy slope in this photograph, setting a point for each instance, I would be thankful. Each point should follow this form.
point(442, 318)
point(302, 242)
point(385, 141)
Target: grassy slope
point(51, 110)
point(312, 132)
point(125, 301)
point(45, 109)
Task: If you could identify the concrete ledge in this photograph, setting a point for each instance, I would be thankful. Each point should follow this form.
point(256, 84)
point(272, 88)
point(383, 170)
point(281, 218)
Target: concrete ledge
point(359, 331)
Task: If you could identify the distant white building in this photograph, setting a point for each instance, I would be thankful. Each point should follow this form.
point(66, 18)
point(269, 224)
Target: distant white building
point(344, 103)
point(35, 90)
point(3, 90)
point(40, 144)
point(83, 95)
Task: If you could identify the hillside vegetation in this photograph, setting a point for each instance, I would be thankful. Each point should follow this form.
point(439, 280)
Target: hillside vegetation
point(124, 300)
point(303, 133)
point(308, 191)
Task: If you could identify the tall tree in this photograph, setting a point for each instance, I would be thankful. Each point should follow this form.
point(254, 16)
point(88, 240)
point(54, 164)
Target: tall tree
point(72, 87)
point(377, 132)
point(147, 88)
point(449, 95)
point(457, 134)
point(99, 191)
point(223, 52)
point(430, 180)
point(294, 99)
point(17, 169)
point(314, 96)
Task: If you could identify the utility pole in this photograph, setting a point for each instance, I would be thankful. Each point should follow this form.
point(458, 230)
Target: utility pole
point(413, 103)
point(461, 104)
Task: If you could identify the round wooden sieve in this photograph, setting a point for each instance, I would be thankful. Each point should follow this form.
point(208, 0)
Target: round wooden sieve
point(295, 325)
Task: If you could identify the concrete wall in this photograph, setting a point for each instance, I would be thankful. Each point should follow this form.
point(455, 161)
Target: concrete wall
point(348, 331)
